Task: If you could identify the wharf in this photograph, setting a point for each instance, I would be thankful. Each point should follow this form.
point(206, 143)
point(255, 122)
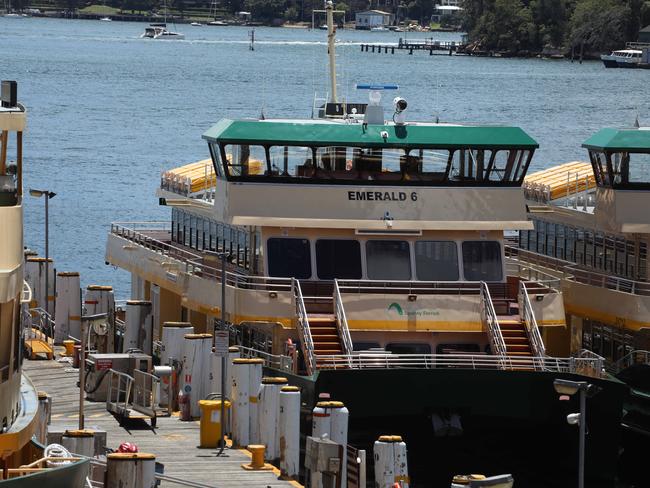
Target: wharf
point(431, 45)
point(174, 443)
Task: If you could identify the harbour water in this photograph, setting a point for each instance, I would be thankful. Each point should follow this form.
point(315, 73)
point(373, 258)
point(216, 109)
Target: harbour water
point(108, 110)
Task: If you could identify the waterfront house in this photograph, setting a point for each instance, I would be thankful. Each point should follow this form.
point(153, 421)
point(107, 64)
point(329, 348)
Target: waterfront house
point(373, 18)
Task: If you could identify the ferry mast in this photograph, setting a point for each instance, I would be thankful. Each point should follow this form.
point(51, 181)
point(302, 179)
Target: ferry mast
point(331, 37)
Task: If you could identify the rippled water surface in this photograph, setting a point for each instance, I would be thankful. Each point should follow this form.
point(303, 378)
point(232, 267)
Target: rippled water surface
point(108, 111)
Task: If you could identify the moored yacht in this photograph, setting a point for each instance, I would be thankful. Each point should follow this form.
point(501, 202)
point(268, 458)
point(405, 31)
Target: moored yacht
point(361, 254)
point(623, 58)
point(159, 31)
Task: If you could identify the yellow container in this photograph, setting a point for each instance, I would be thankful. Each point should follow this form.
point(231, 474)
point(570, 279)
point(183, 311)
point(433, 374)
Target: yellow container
point(69, 347)
point(211, 421)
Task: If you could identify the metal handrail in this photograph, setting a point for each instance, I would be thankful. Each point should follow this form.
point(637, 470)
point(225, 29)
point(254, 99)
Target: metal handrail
point(118, 391)
point(492, 322)
point(341, 320)
point(386, 360)
point(270, 360)
point(408, 286)
point(304, 331)
point(573, 272)
point(532, 330)
point(638, 356)
point(45, 321)
point(145, 392)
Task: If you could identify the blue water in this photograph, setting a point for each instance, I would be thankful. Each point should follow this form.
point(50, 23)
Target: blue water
point(108, 111)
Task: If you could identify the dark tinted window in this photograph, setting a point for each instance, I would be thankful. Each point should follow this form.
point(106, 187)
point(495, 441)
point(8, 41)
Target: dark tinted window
point(482, 261)
point(436, 261)
point(364, 346)
point(338, 259)
point(289, 258)
point(388, 260)
point(408, 348)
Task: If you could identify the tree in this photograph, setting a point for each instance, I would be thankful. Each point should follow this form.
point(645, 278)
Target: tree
point(600, 25)
point(505, 25)
point(266, 10)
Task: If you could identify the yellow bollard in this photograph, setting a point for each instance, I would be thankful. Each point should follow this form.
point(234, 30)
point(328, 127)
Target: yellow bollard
point(257, 459)
point(69, 347)
point(210, 427)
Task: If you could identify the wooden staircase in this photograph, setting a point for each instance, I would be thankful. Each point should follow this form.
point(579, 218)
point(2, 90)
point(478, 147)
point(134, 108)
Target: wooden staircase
point(513, 328)
point(325, 335)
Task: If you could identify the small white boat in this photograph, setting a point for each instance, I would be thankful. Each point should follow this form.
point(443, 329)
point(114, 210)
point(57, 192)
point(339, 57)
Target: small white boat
point(323, 27)
point(624, 58)
point(379, 29)
point(106, 19)
point(159, 31)
point(217, 23)
point(196, 24)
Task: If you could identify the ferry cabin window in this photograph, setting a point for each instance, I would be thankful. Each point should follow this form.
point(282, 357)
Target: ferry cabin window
point(245, 160)
point(289, 258)
point(215, 153)
point(430, 164)
point(388, 260)
point(599, 165)
point(482, 261)
point(338, 259)
point(639, 167)
point(436, 261)
point(295, 161)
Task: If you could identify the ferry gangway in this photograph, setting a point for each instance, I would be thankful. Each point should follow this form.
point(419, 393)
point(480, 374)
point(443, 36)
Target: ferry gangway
point(138, 393)
point(277, 361)
point(341, 320)
point(306, 340)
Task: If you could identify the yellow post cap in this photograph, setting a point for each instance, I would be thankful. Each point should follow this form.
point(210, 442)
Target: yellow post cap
point(177, 324)
point(42, 395)
point(138, 302)
point(390, 438)
point(197, 336)
point(68, 273)
point(288, 389)
point(128, 456)
point(100, 287)
point(233, 349)
point(274, 380)
point(79, 433)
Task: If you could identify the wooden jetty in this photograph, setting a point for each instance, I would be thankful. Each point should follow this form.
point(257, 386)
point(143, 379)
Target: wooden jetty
point(174, 443)
point(429, 44)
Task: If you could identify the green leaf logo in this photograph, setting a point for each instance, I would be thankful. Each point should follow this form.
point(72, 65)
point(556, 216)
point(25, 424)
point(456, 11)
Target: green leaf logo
point(396, 307)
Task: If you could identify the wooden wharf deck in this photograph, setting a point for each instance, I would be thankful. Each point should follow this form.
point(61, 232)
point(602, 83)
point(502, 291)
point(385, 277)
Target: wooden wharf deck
point(174, 443)
point(429, 44)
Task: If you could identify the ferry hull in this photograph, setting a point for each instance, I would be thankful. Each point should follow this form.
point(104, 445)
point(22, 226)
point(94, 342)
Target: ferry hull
point(512, 422)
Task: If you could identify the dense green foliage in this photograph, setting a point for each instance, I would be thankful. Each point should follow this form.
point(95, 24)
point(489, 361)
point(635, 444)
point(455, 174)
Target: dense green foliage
point(533, 25)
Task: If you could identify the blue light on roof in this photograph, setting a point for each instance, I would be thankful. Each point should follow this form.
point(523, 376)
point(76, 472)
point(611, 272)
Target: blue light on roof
point(377, 87)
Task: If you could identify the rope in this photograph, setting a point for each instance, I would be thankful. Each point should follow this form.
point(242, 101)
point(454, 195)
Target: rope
point(56, 451)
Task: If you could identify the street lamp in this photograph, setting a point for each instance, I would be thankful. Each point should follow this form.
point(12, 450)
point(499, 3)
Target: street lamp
point(570, 388)
point(47, 194)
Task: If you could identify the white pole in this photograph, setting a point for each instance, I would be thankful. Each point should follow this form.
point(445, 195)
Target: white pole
point(289, 431)
point(390, 462)
point(130, 470)
point(331, 43)
point(196, 357)
point(172, 341)
point(321, 426)
point(339, 416)
point(68, 307)
point(255, 382)
point(240, 402)
point(43, 417)
point(269, 407)
point(80, 442)
point(99, 299)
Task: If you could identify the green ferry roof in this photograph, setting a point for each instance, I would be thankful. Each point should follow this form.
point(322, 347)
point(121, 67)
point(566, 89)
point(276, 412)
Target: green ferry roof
point(619, 140)
point(333, 134)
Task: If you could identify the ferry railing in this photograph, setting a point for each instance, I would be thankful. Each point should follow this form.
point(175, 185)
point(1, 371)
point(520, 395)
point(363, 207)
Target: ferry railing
point(408, 287)
point(39, 319)
point(572, 272)
point(492, 323)
point(304, 331)
point(145, 392)
point(341, 320)
point(532, 330)
point(630, 359)
point(386, 360)
point(281, 362)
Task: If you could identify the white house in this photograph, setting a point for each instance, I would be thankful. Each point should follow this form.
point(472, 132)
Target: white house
point(373, 18)
point(445, 7)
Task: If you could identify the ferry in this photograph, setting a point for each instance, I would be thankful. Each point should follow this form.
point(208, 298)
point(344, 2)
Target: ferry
point(591, 230)
point(24, 461)
point(363, 255)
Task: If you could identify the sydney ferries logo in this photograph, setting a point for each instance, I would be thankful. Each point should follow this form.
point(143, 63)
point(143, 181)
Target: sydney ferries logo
point(423, 312)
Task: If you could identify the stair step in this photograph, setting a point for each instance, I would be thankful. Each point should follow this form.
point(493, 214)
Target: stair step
point(517, 348)
point(511, 326)
point(515, 340)
point(519, 353)
point(324, 330)
point(320, 317)
point(513, 333)
point(327, 345)
point(328, 352)
point(324, 337)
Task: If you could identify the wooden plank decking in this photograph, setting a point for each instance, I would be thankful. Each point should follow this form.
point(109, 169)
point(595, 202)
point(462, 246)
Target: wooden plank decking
point(173, 442)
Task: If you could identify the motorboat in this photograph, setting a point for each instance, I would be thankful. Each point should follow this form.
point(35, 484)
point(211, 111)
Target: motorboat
point(196, 24)
point(159, 31)
point(106, 19)
point(623, 58)
point(217, 23)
